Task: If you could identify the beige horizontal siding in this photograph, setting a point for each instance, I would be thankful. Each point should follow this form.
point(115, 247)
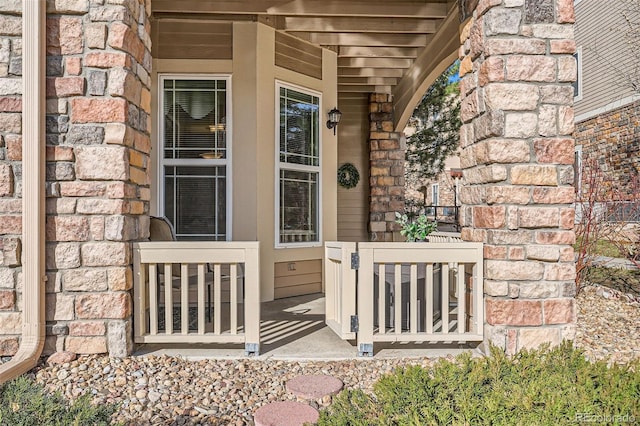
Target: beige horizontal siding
point(606, 58)
point(353, 137)
point(297, 278)
point(297, 55)
point(192, 39)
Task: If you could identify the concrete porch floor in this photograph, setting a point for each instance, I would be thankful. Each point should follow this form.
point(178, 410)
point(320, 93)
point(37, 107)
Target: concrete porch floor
point(293, 329)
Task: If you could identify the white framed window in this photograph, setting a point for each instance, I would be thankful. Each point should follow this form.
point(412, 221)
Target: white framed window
point(195, 155)
point(435, 194)
point(577, 85)
point(298, 167)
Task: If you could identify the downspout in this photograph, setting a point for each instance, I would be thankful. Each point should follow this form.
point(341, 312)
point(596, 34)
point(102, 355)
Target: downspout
point(33, 216)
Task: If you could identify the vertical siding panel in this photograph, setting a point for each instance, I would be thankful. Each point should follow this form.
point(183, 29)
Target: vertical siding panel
point(599, 30)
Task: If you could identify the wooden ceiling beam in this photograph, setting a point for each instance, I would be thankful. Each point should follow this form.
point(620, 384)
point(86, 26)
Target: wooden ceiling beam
point(370, 72)
point(364, 89)
point(361, 25)
point(374, 63)
point(239, 7)
point(376, 81)
point(365, 39)
point(357, 8)
point(201, 17)
point(377, 52)
point(370, 8)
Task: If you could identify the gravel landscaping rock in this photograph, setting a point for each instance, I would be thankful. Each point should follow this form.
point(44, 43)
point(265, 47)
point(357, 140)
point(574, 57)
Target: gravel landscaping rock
point(172, 391)
point(608, 326)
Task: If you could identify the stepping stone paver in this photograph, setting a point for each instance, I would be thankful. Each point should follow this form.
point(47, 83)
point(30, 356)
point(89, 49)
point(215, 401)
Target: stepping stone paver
point(314, 386)
point(285, 413)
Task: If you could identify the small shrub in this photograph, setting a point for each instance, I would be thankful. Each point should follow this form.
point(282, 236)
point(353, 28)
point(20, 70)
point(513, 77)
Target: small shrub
point(546, 386)
point(25, 403)
point(415, 230)
point(351, 407)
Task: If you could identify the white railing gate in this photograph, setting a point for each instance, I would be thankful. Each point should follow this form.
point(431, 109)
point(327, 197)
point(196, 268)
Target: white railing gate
point(405, 292)
point(340, 288)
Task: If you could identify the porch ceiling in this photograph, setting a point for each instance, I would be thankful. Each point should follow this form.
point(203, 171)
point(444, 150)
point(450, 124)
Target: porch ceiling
point(383, 46)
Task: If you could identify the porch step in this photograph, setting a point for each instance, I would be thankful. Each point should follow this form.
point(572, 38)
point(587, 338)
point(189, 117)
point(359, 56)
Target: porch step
point(314, 386)
point(285, 413)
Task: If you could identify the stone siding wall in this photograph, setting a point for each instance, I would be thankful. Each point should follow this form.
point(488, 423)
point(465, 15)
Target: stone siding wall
point(386, 180)
point(10, 176)
point(98, 144)
point(612, 140)
point(517, 154)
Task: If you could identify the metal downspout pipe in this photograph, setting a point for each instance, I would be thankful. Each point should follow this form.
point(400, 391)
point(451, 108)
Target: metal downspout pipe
point(33, 199)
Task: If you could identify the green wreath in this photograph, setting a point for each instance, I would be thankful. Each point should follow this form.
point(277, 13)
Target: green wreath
point(348, 176)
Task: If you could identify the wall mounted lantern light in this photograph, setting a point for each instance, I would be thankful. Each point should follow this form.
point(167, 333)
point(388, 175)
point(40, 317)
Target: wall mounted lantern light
point(334, 118)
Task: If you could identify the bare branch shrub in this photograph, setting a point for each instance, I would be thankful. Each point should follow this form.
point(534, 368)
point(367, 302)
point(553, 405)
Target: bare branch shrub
point(605, 212)
point(623, 215)
point(589, 229)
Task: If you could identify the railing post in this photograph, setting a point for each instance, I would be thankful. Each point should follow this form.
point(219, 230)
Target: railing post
point(365, 302)
point(330, 284)
point(252, 300)
point(478, 292)
point(139, 294)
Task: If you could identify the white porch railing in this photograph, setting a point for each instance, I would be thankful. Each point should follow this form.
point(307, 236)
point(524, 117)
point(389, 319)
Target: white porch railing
point(419, 292)
point(197, 292)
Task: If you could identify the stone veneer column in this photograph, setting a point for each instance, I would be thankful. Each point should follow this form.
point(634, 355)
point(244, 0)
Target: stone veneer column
point(98, 144)
point(386, 169)
point(10, 177)
point(517, 155)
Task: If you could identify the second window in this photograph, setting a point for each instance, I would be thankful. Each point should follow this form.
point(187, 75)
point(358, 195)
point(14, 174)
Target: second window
point(298, 167)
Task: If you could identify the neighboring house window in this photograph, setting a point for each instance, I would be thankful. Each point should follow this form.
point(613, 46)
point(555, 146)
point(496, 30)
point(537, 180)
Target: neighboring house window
point(298, 166)
point(577, 85)
point(195, 157)
point(435, 194)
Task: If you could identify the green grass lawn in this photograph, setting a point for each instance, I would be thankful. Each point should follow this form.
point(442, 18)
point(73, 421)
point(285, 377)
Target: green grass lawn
point(602, 248)
point(624, 280)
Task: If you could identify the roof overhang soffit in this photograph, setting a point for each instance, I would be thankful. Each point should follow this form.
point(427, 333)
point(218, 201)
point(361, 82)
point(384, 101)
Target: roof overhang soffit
point(383, 46)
